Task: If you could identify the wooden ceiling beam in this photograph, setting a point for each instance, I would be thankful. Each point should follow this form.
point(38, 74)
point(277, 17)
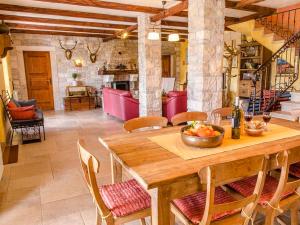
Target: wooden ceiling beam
point(24, 31)
point(160, 16)
point(244, 3)
point(113, 5)
point(107, 5)
point(58, 28)
point(251, 8)
point(170, 12)
point(60, 12)
point(57, 33)
point(61, 22)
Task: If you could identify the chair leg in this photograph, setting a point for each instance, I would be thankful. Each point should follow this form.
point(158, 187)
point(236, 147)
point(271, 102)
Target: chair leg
point(294, 216)
point(44, 132)
point(172, 218)
point(12, 136)
point(270, 216)
point(143, 222)
point(98, 218)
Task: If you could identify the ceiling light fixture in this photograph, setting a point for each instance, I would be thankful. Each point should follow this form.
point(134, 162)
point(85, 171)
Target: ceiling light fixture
point(124, 35)
point(173, 37)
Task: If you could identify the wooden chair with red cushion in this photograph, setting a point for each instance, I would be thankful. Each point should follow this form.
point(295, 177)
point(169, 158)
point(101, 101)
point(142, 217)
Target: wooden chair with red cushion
point(278, 195)
point(223, 112)
point(184, 117)
point(145, 123)
point(213, 205)
point(118, 203)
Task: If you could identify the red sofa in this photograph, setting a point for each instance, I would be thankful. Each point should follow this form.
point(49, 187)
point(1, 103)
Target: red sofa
point(176, 102)
point(120, 104)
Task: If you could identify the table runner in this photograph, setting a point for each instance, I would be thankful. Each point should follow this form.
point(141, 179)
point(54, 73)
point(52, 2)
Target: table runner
point(173, 143)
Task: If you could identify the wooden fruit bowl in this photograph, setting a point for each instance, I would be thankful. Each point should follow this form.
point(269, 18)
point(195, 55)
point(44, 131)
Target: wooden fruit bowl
point(203, 142)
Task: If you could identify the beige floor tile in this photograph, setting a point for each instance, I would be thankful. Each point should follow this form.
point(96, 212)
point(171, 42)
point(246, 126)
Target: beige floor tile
point(70, 219)
point(20, 214)
point(29, 182)
point(63, 188)
point(26, 195)
point(65, 207)
point(30, 169)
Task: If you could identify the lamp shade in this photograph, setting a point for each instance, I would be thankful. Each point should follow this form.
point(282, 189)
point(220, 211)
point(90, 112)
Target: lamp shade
point(153, 35)
point(173, 37)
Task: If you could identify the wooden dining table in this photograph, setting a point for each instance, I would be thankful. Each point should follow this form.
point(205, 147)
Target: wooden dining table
point(165, 175)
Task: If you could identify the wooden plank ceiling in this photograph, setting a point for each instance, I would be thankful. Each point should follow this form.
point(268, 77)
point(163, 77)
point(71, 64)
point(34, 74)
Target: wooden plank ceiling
point(108, 19)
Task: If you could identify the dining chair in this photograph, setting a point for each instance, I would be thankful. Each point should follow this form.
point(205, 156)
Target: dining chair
point(223, 112)
point(116, 204)
point(215, 206)
point(278, 195)
point(149, 122)
point(188, 116)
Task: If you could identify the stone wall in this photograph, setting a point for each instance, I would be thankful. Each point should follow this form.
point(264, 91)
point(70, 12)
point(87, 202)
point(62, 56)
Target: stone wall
point(62, 69)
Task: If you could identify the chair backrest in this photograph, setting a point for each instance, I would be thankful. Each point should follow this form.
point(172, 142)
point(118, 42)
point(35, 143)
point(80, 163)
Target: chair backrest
point(224, 112)
point(220, 174)
point(90, 167)
point(284, 160)
point(145, 122)
point(188, 116)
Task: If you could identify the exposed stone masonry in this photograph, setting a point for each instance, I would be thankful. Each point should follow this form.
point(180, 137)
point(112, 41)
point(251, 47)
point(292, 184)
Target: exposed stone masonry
point(149, 70)
point(206, 40)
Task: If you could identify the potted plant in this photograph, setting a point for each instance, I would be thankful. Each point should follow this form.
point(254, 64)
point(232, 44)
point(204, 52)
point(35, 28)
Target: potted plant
point(75, 76)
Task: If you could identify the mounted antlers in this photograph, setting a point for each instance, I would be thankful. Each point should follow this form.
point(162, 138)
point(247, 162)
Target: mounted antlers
point(68, 51)
point(93, 55)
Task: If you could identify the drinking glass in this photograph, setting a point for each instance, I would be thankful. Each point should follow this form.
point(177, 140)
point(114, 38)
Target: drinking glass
point(266, 118)
point(248, 116)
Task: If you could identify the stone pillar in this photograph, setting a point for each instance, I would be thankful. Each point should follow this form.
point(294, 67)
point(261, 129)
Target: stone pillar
point(205, 54)
point(149, 54)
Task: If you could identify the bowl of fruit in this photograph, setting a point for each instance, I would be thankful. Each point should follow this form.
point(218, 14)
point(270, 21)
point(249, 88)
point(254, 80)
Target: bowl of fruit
point(202, 135)
point(255, 128)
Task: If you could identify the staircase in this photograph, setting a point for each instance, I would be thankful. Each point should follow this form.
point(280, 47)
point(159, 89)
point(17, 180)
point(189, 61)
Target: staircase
point(281, 34)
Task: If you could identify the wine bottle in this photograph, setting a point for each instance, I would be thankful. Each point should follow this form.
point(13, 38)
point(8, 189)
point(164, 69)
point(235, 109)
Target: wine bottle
point(236, 120)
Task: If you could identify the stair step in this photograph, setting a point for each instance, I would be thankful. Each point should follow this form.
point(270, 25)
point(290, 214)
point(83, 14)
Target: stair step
point(278, 38)
point(295, 96)
point(291, 116)
point(289, 105)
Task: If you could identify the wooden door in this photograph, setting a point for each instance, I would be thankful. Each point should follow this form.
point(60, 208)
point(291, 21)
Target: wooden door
point(166, 65)
point(39, 78)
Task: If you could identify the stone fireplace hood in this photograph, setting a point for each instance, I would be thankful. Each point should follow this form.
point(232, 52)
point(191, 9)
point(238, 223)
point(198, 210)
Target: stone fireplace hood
point(120, 54)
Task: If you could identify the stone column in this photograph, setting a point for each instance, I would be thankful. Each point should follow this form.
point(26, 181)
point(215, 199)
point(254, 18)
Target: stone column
point(149, 70)
point(205, 54)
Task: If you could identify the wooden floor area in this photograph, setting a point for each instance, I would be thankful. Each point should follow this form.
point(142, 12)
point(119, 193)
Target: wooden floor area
point(46, 186)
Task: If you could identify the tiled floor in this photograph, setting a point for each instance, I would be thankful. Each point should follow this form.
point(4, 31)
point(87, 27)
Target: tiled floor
point(46, 186)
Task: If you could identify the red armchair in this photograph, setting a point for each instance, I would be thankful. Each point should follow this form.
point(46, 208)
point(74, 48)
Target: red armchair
point(120, 104)
point(176, 102)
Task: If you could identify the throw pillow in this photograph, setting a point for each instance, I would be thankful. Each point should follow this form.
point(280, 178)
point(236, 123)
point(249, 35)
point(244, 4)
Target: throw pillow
point(22, 113)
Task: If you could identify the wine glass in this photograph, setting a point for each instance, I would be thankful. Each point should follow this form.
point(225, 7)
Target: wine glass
point(248, 116)
point(266, 118)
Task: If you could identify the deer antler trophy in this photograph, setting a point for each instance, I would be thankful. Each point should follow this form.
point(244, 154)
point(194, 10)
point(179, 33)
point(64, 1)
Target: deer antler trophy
point(68, 51)
point(93, 55)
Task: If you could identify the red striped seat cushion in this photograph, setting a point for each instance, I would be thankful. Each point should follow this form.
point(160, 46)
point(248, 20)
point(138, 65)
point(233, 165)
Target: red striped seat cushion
point(295, 170)
point(193, 206)
point(246, 187)
point(125, 198)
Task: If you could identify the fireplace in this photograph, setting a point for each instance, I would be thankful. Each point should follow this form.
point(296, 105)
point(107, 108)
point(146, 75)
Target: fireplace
point(121, 85)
